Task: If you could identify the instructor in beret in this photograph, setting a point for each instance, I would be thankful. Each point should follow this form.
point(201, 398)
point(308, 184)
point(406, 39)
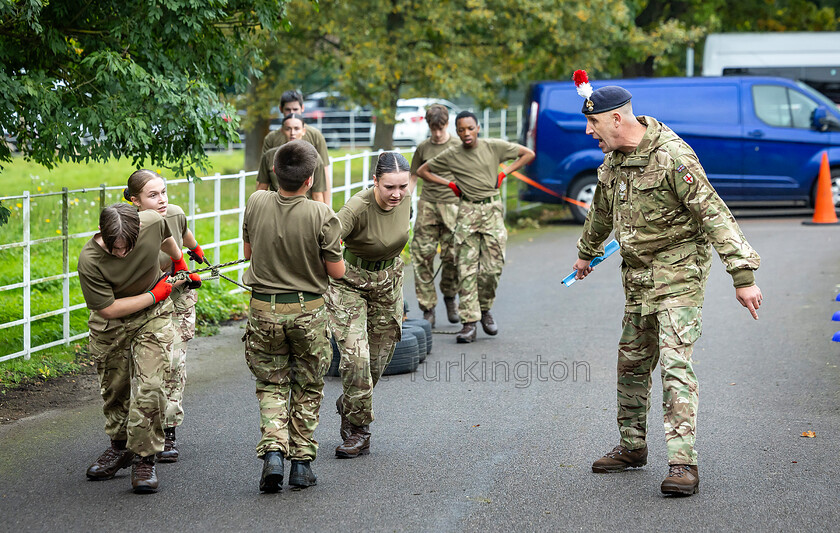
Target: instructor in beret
point(653, 192)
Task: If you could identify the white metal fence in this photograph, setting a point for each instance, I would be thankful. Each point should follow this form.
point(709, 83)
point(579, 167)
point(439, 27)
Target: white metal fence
point(346, 178)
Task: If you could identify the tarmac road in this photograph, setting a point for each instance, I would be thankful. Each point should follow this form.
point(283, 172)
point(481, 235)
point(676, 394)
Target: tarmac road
point(462, 446)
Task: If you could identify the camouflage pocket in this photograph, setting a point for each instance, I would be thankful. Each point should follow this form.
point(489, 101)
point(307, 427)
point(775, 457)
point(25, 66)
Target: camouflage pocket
point(647, 196)
point(687, 323)
point(676, 271)
point(101, 340)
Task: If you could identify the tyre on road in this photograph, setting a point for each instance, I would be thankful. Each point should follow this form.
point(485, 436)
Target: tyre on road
point(406, 356)
point(420, 335)
point(336, 359)
point(427, 327)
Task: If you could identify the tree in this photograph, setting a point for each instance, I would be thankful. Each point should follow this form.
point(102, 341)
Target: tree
point(89, 80)
point(791, 15)
point(661, 30)
point(380, 50)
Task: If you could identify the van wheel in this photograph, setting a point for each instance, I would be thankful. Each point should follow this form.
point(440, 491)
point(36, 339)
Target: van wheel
point(835, 188)
point(582, 190)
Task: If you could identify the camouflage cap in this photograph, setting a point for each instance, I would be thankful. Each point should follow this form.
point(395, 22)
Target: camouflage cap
point(606, 99)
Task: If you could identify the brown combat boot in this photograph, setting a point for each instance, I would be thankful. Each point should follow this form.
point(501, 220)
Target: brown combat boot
point(358, 443)
point(170, 447)
point(346, 427)
point(451, 309)
point(429, 315)
point(467, 333)
point(488, 324)
point(143, 476)
point(620, 459)
point(112, 460)
point(682, 480)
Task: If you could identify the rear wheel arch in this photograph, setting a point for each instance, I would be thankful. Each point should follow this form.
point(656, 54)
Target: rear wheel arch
point(582, 189)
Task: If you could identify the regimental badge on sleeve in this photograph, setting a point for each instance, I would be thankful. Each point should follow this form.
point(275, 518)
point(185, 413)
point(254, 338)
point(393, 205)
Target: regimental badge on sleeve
point(688, 178)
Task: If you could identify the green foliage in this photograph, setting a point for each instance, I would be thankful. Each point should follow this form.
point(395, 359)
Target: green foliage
point(791, 15)
point(404, 48)
point(86, 81)
point(44, 365)
point(216, 304)
point(4, 214)
point(659, 31)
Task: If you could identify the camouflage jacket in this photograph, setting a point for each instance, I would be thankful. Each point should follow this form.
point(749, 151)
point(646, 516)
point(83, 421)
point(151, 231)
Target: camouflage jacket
point(666, 217)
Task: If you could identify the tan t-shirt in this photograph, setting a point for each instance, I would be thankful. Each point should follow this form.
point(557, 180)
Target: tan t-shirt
point(433, 192)
point(266, 174)
point(311, 135)
point(176, 220)
point(290, 239)
point(475, 169)
point(371, 232)
point(105, 277)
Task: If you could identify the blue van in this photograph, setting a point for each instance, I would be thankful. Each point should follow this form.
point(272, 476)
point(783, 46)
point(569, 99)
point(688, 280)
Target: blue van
point(760, 139)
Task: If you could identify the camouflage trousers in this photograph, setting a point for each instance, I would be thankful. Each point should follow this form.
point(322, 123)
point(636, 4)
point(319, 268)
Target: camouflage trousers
point(132, 355)
point(435, 223)
point(366, 310)
point(176, 375)
point(288, 350)
point(668, 337)
point(480, 238)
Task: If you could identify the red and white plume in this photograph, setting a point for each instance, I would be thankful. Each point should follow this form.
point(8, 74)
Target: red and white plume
point(582, 83)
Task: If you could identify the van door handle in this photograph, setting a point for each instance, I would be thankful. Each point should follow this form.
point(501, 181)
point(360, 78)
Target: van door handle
point(756, 133)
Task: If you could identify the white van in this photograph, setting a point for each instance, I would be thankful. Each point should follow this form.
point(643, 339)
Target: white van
point(812, 57)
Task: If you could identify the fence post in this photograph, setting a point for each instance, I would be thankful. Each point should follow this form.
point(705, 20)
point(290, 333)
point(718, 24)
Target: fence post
point(518, 122)
point(217, 219)
point(365, 165)
point(191, 188)
point(102, 197)
point(27, 327)
point(242, 200)
point(65, 254)
point(348, 178)
point(486, 120)
point(353, 130)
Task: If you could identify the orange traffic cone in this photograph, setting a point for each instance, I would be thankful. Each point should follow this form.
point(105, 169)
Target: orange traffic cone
point(824, 205)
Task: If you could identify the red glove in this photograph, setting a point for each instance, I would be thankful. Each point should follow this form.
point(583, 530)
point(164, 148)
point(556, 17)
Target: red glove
point(455, 189)
point(197, 254)
point(194, 282)
point(179, 265)
point(500, 178)
point(161, 290)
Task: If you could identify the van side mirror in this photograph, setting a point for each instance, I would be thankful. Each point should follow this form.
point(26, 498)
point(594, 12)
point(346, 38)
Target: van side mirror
point(822, 120)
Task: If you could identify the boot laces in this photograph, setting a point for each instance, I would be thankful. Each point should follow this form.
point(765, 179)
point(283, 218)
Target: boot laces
point(109, 455)
point(144, 469)
point(677, 470)
point(618, 450)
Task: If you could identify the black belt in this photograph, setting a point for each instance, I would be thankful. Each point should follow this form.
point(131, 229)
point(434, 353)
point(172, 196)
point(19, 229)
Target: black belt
point(484, 201)
point(286, 297)
point(355, 260)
